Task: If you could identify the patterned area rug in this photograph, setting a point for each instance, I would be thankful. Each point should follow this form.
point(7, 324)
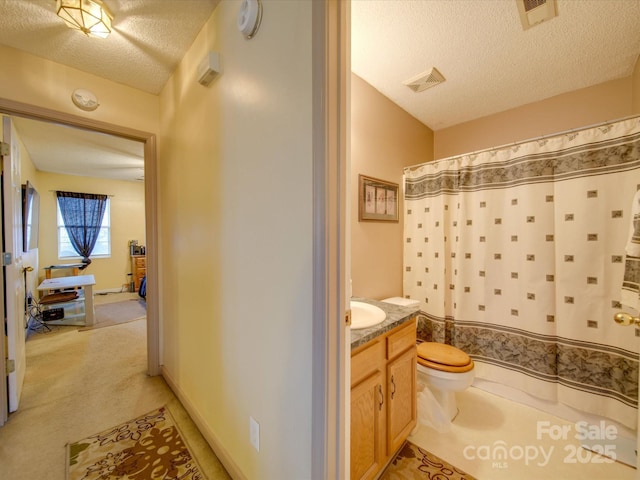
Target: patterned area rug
point(413, 462)
point(145, 448)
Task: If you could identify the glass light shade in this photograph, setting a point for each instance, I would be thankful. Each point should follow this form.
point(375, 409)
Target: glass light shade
point(89, 16)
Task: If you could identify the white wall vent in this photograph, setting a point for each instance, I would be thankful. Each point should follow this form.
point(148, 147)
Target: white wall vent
point(533, 12)
point(425, 80)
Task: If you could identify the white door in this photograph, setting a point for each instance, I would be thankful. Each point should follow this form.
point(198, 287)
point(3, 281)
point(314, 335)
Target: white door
point(4, 398)
point(14, 284)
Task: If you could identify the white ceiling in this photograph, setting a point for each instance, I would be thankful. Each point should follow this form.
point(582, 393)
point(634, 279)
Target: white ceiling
point(72, 151)
point(490, 63)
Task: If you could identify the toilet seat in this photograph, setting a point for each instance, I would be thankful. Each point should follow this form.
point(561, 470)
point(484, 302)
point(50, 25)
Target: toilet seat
point(445, 358)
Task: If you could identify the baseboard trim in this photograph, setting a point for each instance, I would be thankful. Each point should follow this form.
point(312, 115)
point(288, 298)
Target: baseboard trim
point(211, 438)
point(109, 290)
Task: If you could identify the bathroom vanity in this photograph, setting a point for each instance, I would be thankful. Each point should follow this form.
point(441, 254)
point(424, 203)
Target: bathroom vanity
point(383, 390)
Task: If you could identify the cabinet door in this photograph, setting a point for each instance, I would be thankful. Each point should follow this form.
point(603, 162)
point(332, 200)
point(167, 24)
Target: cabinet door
point(401, 394)
point(367, 427)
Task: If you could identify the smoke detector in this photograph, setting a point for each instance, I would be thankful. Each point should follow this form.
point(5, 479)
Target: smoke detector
point(533, 12)
point(425, 80)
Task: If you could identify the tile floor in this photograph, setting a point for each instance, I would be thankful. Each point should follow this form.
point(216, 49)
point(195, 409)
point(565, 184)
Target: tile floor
point(488, 426)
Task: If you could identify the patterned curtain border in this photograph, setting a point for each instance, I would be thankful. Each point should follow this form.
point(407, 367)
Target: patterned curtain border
point(581, 365)
point(616, 155)
point(629, 354)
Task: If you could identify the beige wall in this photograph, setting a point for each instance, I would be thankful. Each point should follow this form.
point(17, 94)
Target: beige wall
point(580, 108)
point(36, 81)
point(127, 222)
point(636, 88)
point(235, 183)
point(384, 139)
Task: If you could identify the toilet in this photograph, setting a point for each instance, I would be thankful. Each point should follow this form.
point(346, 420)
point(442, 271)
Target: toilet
point(445, 369)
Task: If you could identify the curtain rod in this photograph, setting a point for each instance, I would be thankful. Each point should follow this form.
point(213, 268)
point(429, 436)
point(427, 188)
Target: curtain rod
point(56, 191)
point(541, 137)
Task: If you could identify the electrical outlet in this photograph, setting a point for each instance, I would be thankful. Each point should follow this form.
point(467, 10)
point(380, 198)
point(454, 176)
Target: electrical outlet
point(254, 433)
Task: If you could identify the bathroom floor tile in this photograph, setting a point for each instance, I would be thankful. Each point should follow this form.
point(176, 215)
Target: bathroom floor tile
point(493, 438)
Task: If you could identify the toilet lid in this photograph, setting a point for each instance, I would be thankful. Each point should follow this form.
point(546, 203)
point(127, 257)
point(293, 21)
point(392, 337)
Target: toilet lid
point(446, 368)
point(442, 354)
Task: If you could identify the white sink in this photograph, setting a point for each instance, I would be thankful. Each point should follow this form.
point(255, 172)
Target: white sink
point(365, 315)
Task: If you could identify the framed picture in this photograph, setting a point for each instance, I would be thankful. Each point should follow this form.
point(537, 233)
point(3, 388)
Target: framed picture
point(377, 200)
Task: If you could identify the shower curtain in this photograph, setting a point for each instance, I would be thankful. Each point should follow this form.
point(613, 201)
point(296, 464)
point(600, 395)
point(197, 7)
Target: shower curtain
point(517, 256)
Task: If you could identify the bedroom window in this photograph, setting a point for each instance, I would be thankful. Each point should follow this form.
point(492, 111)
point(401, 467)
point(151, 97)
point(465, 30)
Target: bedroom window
point(102, 247)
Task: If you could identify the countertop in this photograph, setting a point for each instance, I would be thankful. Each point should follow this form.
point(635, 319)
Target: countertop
point(396, 315)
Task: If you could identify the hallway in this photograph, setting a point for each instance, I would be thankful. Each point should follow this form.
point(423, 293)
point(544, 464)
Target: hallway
point(78, 384)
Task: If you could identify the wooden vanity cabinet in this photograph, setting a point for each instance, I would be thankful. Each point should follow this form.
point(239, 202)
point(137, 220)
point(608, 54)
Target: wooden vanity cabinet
point(367, 433)
point(383, 399)
point(401, 389)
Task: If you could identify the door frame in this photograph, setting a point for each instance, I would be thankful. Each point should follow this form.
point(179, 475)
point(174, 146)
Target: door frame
point(331, 70)
point(19, 109)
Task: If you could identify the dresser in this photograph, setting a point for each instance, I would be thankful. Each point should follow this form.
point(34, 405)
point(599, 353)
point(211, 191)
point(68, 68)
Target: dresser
point(138, 269)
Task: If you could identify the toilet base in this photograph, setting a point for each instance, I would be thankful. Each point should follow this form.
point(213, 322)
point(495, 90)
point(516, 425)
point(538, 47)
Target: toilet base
point(444, 385)
point(446, 400)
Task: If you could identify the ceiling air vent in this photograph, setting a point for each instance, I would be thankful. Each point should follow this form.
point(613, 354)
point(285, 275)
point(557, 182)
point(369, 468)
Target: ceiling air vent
point(533, 12)
point(425, 80)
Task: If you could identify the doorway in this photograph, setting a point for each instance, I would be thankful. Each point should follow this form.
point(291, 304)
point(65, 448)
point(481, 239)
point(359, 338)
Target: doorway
point(17, 109)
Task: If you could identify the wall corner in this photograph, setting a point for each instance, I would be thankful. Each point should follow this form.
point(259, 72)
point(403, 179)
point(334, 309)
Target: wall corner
point(635, 88)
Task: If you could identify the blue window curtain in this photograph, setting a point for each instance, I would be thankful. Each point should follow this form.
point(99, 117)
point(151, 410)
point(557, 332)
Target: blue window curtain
point(82, 214)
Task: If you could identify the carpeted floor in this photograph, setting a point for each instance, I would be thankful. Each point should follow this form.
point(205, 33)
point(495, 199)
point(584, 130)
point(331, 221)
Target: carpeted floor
point(414, 463)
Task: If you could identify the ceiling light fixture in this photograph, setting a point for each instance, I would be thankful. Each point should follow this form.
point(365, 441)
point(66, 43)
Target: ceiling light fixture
point(91, 17)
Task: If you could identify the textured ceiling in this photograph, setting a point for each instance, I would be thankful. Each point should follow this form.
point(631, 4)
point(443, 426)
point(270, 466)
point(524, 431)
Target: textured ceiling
point(490, 63)
point(148, 41)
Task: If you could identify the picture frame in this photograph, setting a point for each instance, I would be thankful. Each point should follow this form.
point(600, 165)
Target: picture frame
point(377, 200)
